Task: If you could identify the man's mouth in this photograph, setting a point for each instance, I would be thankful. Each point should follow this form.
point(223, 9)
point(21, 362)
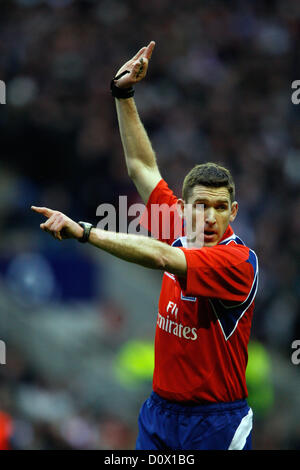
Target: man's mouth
point(209, 235)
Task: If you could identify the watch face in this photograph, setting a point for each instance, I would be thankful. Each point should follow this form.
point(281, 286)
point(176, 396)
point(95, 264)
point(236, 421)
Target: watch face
point(83, 238)
point(86, 231)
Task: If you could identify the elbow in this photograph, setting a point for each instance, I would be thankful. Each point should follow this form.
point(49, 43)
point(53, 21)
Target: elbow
point(133, 166)
point(172, 260)
point(135, 171)
point(161, 262)
point(132, 172)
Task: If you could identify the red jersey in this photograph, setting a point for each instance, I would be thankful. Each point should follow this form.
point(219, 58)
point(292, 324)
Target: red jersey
point(204, 321)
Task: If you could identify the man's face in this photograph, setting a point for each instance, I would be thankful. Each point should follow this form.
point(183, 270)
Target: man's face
point(216, 212)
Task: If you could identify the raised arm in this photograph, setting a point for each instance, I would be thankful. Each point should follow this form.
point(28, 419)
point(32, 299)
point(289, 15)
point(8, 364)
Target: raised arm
point(139, 155)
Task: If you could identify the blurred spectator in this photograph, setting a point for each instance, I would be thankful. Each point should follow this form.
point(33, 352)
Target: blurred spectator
point(6, 430)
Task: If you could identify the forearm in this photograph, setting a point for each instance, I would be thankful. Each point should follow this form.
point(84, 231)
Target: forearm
point(145, 251)
point(136, 144)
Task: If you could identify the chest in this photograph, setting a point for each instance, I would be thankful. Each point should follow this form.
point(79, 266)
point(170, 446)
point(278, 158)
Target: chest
point(177, 307)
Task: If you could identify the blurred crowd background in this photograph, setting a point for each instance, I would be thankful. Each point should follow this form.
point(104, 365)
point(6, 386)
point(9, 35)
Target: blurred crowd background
point(78, 324)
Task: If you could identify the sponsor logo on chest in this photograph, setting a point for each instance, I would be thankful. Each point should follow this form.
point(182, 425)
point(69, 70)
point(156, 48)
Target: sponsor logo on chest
point(170, 324)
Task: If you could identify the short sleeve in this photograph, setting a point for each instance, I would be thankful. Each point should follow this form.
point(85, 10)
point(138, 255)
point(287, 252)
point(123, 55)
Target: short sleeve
point(225, 272)
point(161, 217)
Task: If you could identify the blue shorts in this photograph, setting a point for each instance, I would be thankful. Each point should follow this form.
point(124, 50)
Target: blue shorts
point(164, 425)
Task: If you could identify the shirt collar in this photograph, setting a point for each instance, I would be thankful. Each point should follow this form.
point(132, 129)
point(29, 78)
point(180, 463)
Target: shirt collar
point(227, 234)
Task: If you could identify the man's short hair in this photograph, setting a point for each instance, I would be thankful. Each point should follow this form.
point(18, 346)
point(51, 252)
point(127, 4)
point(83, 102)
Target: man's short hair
point(208, 174)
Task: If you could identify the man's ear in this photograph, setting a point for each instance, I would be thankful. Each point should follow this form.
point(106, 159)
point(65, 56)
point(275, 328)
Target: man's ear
point(234, 211)
point(180, 207)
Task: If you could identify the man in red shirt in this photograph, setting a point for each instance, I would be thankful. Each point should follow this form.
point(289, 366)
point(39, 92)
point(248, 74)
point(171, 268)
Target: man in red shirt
point(207, 296)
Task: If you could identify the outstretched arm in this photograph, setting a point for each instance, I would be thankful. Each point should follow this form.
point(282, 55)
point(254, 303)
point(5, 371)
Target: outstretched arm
point(144, 251)
point(139, 155)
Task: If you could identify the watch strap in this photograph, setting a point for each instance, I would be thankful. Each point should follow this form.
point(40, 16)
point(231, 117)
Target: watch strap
point(87, 227)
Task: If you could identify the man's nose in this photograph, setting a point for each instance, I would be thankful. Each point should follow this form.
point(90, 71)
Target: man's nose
point(209, 216)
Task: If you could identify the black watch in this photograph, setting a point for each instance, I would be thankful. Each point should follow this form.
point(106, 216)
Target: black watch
point(87, 227)
point(121, 92)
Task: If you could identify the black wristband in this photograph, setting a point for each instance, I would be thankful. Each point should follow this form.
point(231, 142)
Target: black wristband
point(122, 93)
point(87, 227)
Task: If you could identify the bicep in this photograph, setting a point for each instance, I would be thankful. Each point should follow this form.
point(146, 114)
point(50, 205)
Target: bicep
point(145, 180)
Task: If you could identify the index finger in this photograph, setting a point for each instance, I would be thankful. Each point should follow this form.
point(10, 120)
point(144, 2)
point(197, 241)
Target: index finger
point(43, 210)
point(149, 49)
